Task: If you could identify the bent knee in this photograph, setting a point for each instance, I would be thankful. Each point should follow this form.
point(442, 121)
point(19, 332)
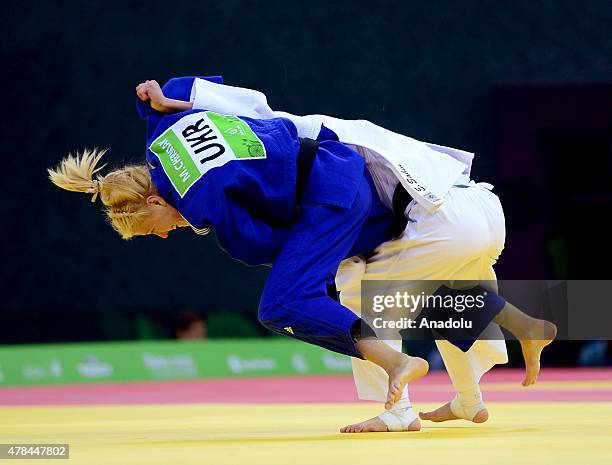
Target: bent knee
point(277, 317)
point(269, 315)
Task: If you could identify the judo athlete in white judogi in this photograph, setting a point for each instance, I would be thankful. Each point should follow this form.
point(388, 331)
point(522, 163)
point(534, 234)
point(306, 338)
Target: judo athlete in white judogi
point(455, 231)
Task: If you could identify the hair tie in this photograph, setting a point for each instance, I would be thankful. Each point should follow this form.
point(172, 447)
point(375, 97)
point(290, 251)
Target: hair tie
point(95, 189)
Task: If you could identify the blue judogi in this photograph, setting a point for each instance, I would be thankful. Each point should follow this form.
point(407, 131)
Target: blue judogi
point(251, 205)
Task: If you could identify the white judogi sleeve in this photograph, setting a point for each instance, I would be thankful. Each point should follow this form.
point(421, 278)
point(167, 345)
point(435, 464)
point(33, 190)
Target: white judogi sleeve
point(221, 98)
point(207, 95)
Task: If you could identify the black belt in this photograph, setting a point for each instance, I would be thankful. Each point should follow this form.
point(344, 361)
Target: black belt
point(401, 199)
point(305, 160)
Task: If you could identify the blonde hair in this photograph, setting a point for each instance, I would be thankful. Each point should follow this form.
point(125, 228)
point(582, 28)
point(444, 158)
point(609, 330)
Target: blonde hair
point(123, 191)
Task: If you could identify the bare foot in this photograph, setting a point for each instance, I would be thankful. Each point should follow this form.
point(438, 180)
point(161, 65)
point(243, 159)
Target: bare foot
point(532, 349)
point(407, 370)
point(445, 413)
point(376, 425)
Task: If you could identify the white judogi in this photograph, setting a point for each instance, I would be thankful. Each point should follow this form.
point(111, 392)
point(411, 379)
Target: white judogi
point(453, 232)
point(459, 241)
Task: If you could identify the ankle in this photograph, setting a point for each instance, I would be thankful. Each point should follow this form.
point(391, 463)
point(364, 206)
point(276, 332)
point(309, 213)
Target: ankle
point(540, 330)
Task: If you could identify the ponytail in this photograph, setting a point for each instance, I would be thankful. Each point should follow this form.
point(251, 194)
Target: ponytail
point(123, 191)
point(76, 172)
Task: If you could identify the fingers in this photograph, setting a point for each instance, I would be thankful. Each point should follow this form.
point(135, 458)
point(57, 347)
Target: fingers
point(150, 83)
point(142, 95)
point(142, 91)
point(144, 88)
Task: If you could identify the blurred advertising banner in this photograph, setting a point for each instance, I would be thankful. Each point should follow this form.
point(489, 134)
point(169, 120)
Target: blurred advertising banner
point(164, 360)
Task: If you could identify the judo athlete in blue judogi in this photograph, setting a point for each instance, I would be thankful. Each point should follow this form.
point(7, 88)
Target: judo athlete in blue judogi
point(303, 205)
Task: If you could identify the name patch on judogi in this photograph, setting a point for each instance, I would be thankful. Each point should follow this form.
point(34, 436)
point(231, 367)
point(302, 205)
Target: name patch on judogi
point(201, 141)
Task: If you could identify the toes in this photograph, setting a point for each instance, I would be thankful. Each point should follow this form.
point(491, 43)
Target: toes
point(391, 401)
point(481, 416)
point(394, 394)
point(351, 429)
point(391, 398)
point(415, 425)
point(530, 378)
point(425, 415)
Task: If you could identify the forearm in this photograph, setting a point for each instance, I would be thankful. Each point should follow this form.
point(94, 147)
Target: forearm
point(169, 105)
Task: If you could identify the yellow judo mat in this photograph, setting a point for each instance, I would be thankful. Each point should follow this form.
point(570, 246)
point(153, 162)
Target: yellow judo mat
point(295, 434)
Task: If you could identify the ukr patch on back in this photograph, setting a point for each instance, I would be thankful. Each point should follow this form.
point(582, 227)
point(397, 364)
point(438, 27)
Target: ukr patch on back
point(201, 141)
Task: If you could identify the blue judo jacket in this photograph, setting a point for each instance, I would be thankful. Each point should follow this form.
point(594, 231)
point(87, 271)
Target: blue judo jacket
point(239, 175)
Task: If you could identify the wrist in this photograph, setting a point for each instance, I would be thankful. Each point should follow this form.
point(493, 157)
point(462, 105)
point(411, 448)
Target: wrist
point(163, 105)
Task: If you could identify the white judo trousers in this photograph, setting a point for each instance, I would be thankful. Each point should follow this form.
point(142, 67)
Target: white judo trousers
point(455, 227)
point(459, 241)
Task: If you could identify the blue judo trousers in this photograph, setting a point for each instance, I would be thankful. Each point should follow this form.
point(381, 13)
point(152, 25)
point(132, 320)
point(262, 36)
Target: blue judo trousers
point(251, 202)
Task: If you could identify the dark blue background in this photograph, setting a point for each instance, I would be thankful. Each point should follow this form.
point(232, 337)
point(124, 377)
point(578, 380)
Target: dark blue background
point(426, 69)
